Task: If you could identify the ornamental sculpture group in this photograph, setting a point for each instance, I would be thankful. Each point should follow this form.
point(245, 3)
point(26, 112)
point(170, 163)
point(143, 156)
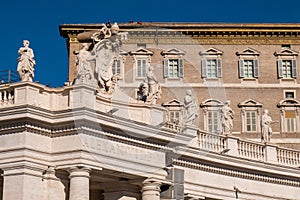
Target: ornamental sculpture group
point(102, 55)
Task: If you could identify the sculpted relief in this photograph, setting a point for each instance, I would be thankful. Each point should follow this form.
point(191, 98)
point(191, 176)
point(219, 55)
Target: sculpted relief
point(105, 50)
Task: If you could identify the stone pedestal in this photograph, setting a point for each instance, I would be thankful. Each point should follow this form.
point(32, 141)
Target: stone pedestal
point(79, 183)
point(151, 190)
point(22, 183)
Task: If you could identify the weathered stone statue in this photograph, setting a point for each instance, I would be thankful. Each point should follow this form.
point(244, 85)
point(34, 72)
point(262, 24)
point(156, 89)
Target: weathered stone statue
point(26, 62)
point(85, 72)
point(226, 118)
point(266, 130)
point(149, 90)
point(191, 108)
point(106, 50)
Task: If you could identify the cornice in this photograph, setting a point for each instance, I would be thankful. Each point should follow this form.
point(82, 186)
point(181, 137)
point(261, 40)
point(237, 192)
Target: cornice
point(240, 174)
point(198, 33)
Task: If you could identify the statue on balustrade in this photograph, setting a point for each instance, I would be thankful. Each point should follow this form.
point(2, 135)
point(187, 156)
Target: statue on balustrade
point(191, 108)
point(266, 130)
point(26, 62)
point(226, 118)
point(149, 89)
point(84, 69)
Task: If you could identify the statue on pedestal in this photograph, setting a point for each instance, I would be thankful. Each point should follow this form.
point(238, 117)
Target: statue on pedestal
point(191, 108)
point(84, 69)
point(149, 90)
point(266, 130)
point(26, 62)
point(226, 118)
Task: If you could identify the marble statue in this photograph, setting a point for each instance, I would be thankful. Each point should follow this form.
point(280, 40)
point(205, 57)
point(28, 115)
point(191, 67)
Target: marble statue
point(26, 62)
point(191, 108)
point(226, 118)
point(85, 73)
point(266, 130)
point(105, 51)
point(149, 89)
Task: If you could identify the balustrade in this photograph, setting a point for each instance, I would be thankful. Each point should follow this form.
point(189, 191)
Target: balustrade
point(288, 156)
point(6, 96)
point(211, 142)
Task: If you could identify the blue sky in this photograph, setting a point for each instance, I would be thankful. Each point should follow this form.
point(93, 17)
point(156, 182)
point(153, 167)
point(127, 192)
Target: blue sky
point(38, 21)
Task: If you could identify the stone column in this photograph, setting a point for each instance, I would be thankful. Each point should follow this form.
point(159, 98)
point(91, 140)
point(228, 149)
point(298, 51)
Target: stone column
point(151, 190)
point(79, 183)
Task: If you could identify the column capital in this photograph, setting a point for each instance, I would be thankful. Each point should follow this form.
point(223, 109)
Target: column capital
point(79, 171)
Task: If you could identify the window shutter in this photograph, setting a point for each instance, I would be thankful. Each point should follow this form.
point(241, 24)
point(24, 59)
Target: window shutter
point(166, 68)
point(180, 68)
point(255, 68)
point(279, 68)
point(203, 68)
point(219, 68)
point(241, 68)
point(294, 68)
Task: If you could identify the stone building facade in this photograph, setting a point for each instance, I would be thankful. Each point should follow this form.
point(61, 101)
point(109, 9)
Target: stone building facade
point(158, 127)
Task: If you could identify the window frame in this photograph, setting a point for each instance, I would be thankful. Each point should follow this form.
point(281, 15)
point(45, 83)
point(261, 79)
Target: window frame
point(248, 54)
point(286, 54)
point(248, 106)
point(292, 106)
point(173, 54)
point(140, 54)
point(211, 106)
point(209, 55)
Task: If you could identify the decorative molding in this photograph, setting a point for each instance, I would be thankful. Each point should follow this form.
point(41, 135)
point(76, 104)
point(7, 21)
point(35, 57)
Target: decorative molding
point(236, 173)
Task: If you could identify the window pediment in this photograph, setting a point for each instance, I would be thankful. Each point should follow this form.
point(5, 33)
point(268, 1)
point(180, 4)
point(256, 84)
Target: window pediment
point(211, 51)
point(141, 51)
point(211, 103)
point(249, 103)
point(248, 52)
point(173, 51)
point(286, 52)
point(288, 103)
point(173, 103)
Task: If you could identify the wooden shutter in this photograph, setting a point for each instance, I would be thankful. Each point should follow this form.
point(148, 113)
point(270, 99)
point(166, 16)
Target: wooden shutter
point(166, 68)
point(203, 68)
point(180, 68)
point(294, 68)
point(219, 68)
point(279, 68)
point(255, 68)
point(241, 68)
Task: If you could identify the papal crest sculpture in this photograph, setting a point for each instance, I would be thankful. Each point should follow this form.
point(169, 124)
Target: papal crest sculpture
point(106, 49)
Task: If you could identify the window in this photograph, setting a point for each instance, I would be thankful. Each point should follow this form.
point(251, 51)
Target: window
point(213, 121)
point(212, 115)
point(173, 63)
point(248, 63)
point(251, 121)
point(250, 115)
point(116, 67)
point(286, 63)
point(174, 114)
point(289, 94)
point(142, 60)
point(174, 117)
point(174, 70)
point(289, 115)
point(286, 46)
point(211, 63)
point(141, 69)
point(290, 120)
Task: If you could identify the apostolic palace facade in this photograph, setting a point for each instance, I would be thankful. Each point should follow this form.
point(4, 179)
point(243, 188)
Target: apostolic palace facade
point(170, 111)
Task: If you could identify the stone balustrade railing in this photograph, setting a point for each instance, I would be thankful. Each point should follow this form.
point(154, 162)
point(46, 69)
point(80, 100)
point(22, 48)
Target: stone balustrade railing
point(211, 142)
point(288, 156)
point(234, 146)
point(251, 150)
point(173, 126)
point(6, 96)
